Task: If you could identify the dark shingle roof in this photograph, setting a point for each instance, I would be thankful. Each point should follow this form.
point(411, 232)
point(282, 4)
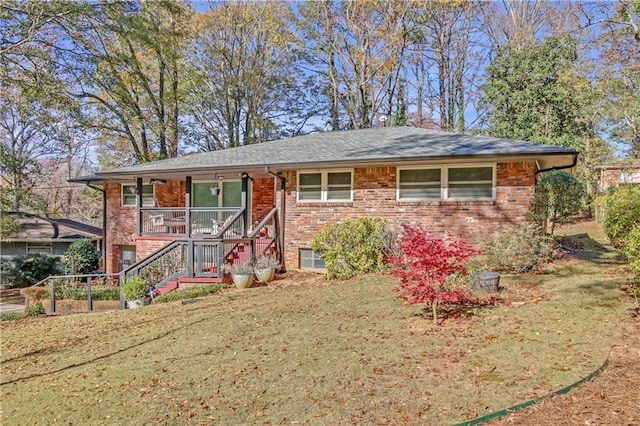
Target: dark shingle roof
point(38, 228)
point(373, 146)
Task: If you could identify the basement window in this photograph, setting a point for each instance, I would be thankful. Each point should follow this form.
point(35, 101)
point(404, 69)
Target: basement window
point(310, 260)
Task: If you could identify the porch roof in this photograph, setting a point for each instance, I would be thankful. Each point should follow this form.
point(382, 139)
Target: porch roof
point(374, 146)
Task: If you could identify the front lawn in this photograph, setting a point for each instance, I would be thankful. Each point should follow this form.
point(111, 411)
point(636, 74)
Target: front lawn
point(334, 353)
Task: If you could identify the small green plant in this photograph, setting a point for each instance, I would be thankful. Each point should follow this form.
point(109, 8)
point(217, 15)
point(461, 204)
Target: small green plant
point(135, 288)
point(517, 249)
point(245, 268)
point(81, 257)
point(11, 316)
point(353, 246)
point(189, 293)
point(35, 309)
point(558, 196)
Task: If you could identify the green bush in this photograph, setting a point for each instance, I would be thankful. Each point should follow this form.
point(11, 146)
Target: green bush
point(517, 249)
point(35, 309)
point(558, 196)
point(28, 270)
point(11, 316)
point(621, 213)
point(354, 246)
point(96, 294)
point(135, 287)
point(632, 251)
point(81, 257)
point(189, 293)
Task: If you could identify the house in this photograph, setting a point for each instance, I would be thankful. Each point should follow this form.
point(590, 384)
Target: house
point(198, 211)
point(37, 234)
point(620, 174)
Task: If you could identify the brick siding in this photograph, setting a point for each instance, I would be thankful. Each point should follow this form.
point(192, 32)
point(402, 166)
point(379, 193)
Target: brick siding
point(374, 195)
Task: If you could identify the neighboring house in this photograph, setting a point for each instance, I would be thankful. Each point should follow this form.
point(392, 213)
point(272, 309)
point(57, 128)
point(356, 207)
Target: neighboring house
point(616, 175)
point(39, 234)
point(209, 208)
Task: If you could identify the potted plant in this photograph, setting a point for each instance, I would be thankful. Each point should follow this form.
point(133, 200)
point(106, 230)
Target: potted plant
point(265, 267)
point(134, 291)
point(241, 274)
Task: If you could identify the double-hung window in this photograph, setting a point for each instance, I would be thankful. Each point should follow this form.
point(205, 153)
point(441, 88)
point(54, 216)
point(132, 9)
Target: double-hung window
point(325, 186)
point(476, 182)
point(129, 195)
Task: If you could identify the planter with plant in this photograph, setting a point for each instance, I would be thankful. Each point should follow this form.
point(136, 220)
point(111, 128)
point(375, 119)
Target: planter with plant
point(134, 291)
point(241, 274)
point(265, 267)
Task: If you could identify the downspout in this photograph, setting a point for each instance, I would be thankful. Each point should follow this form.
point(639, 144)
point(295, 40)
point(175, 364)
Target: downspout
point(103, 247)
point(283, 182)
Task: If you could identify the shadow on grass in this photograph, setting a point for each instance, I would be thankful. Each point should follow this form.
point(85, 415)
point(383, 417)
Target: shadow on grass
point(583, 247)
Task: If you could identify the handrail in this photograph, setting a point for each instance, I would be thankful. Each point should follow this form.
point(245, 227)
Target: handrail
point(263, 222)
point(152, 257)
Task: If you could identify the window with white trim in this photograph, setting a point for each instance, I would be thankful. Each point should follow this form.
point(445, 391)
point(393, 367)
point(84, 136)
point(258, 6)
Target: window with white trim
point(325, 186)
point(129, 195)
point(468, 182)
point(310, 260)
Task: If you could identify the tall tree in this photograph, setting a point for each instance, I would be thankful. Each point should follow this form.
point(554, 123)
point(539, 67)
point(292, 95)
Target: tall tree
point(126, 65)
point(358, 47)
point(445, 58)
point(245, 85)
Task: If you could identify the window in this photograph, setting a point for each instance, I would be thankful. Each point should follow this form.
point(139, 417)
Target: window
point(471, 182)
point(129, 195)
point(420, 184)
point(450, 182)
point(325, 186)
point(39, 248)
point(310, 259)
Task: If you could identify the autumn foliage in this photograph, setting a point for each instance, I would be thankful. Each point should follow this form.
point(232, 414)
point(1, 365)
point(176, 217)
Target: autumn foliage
point(427, 268)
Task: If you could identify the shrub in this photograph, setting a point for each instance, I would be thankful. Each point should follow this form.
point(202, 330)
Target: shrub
point(632, 251)
point(428, 268)
point(35, 309)
point(189, 293)
point(558, 196)
point(11, 316)
point(135, 288)
point(353, 247)
point(622, 213)
point(96, 294)
point(81, 257)
point(518, 249)
point(28, 270)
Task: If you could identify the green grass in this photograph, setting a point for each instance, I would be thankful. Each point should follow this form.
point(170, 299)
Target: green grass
point(190, 293)
point(345, 352)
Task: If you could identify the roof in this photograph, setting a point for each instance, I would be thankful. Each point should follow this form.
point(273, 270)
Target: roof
point(34, 228)
point(374, 146)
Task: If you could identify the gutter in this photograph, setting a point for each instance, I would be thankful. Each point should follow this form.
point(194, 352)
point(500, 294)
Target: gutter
point(570, 166)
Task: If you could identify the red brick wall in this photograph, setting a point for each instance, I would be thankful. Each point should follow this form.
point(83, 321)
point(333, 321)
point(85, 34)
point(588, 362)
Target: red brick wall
point(375, 196)
point(121, 222)
point(262, 198)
